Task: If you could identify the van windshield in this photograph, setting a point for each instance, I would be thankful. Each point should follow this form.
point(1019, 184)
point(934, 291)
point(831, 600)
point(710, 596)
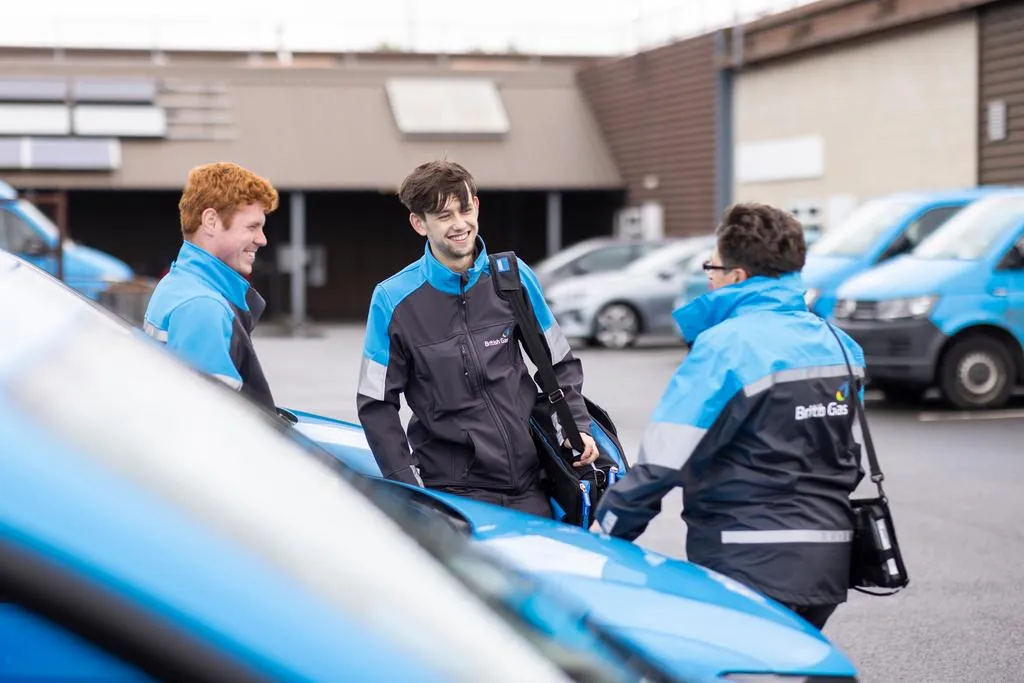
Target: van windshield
point(39, 220)
point(860, 231)
point(973, 233)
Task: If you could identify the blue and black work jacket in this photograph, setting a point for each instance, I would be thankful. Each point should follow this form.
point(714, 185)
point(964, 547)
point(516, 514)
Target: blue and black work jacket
point(205, 312)
point(756, 426)
point(449, 342)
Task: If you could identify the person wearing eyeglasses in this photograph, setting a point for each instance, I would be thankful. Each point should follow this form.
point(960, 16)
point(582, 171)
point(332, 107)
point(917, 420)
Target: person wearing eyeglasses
point(756, 426)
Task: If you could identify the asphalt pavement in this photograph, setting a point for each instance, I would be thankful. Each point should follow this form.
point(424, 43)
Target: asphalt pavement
point(954, 481)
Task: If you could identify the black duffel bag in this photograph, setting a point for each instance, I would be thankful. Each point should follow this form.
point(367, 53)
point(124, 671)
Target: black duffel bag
point(574, 491)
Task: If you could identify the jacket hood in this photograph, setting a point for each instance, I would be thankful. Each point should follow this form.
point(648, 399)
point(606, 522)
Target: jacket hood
point(784, 293)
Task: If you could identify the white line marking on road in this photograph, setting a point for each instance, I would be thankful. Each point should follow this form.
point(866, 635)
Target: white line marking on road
point(970, 416)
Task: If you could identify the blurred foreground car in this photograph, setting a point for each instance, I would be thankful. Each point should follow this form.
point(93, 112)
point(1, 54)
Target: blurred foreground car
point(951, 313)
point(614, 309)
point(596, 255)
point(155, 526)
point(692, 620)
point(597, 608)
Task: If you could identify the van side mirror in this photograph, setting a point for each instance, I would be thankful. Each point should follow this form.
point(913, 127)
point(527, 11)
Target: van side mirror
point(35, 246)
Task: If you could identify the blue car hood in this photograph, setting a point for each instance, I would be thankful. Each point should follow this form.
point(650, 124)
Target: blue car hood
point(906, 276)
point(90, 264)
point(699, 623)
point(826, 272)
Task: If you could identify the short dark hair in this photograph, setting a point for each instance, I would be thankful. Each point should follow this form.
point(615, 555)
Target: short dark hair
point(761, 239)
point(428, 187)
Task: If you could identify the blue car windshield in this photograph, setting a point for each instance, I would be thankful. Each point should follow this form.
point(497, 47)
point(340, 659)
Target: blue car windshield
point(856, 235)
point(973, 233)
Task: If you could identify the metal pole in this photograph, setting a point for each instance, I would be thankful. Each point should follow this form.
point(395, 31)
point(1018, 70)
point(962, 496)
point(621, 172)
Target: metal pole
point(298, 248)
point(554, 232)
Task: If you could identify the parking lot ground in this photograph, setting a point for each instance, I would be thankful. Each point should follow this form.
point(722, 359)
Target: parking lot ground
point(954, 480)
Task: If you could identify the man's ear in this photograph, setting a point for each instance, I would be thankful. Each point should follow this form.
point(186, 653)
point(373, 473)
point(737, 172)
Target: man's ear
point(741, 275)
point(417, 223)
point(208, 221)
point(476, 202)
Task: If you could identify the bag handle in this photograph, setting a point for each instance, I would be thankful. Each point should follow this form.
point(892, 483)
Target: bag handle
point(861, 416)
point(505, 273)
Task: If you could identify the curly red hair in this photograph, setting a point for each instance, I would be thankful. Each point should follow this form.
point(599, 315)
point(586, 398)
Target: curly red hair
point(224, 187)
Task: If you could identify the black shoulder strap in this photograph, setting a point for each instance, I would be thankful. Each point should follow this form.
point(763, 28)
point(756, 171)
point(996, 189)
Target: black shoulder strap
point(505, 274)
point(858, 408)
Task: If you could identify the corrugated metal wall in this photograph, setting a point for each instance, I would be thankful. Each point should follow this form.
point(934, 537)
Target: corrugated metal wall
point(1001, 62)
point(658, 111)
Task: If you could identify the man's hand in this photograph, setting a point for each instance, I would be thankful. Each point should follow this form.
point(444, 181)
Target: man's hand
point(590, 451)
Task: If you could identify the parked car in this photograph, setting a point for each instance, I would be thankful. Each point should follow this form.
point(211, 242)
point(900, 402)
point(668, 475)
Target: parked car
point(951, 313)
point(220, 549)
point(638, 610)
point(878, 230)
point(595, 255)
point(27, 232)
point(694, 621)
point(614, 309)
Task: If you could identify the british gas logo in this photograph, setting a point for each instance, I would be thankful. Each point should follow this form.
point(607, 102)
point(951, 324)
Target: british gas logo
point(837, 408)
point(503, 339)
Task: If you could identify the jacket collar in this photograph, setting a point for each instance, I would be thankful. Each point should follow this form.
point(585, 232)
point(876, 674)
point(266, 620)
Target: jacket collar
point(216, 274)
point(780, 294)
point(443, 278)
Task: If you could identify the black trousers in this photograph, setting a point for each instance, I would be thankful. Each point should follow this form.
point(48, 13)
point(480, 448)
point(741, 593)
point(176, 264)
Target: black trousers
point(531, 500)
point(816, 614)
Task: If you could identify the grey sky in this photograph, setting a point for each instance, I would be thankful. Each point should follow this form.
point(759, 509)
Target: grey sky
point(544, 26)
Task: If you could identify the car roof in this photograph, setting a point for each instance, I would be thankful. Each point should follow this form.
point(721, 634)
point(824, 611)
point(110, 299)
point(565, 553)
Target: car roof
point(131, 543)
point(955, 194)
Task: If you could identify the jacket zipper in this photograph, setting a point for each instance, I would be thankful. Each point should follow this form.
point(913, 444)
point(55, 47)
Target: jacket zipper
point(479, 380)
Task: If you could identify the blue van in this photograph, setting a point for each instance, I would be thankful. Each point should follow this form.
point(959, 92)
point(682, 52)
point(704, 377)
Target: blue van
point(878, 230)
point(951, 313)
point(28, 233)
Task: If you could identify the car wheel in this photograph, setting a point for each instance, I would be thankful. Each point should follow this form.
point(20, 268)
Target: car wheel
point(616, 326)
point(977, 372)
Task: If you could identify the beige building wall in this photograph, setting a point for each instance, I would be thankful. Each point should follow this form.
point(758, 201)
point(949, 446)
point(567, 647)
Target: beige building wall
point(832, 128)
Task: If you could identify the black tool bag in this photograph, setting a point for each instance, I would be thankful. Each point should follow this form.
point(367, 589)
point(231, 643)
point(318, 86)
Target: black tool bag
point(575, 491)
point(876, 561)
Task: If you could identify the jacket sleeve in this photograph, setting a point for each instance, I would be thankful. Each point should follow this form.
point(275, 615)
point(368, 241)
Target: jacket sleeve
point(382, 378)
point(568, 368)
point(689, 424)
point(199, 331)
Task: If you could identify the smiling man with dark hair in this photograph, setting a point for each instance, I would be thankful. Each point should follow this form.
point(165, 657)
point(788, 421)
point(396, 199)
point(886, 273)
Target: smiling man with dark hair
point(755, 426)
point(439, 333)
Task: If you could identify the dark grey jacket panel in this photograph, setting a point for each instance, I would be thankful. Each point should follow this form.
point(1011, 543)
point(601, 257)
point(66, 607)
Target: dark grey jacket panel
point(452, 347)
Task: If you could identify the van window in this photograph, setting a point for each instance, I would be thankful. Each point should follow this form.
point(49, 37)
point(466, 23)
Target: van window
point(15, 233)
point(928, 222)
point(609, 258)
point(860, 231)
point(975, 231)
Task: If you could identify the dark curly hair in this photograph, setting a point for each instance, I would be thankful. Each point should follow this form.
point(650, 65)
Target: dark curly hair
point(761, 239)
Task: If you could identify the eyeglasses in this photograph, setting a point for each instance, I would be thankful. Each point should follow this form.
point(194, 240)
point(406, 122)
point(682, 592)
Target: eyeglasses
point(708, 266)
